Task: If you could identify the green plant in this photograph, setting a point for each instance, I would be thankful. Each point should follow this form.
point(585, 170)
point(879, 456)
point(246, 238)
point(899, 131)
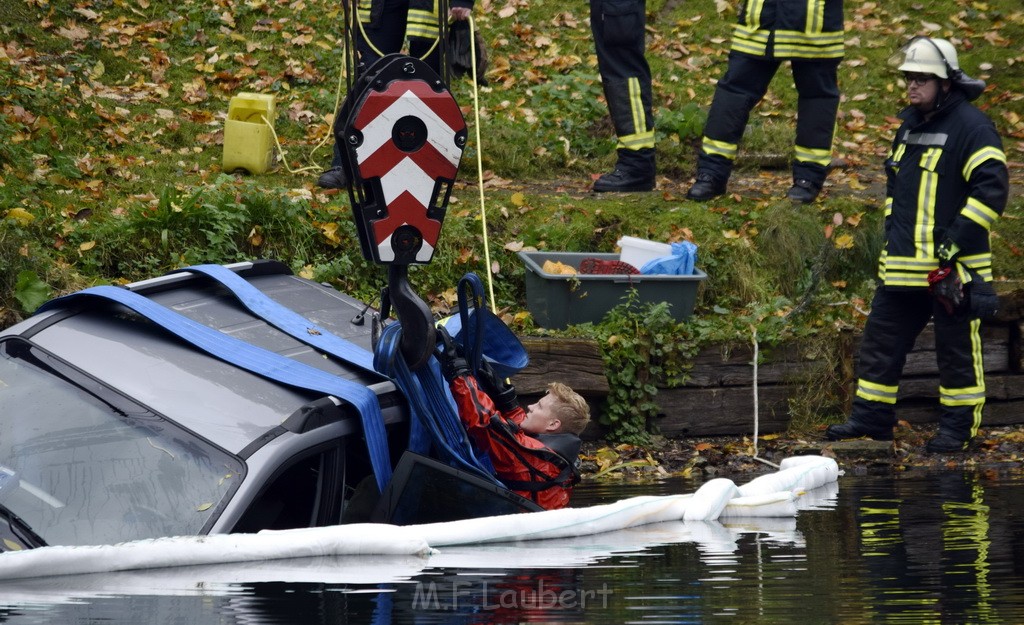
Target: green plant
point(642, 348)
point(686, 122)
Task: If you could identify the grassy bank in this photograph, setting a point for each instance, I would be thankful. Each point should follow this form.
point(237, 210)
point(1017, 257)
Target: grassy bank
point(112, 115)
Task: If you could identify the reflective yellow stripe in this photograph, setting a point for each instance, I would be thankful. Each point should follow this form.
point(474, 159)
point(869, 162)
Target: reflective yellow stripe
point(911, 263)
point(925, 239)
point(980, 214)
point(753, 16)
point(872, 391)
point(831, 52)
point(721, 148)
point(637, 141)
point(758, 36)
point(904, 270)
point(812, 155)
point(898, 155)
point(962, 396)
point(636, 105)
point(980, 264)
point(808, 44)
point(794, 37)
point(815, 16)
point(747, 47)
point(364, 11)
point(904, 280)
point(930, 158)
point(976, 355)
point(749, 40)
point(976, 422)
point(422, 24)
point(979, 157)
point(423, 32)
point(888, 206)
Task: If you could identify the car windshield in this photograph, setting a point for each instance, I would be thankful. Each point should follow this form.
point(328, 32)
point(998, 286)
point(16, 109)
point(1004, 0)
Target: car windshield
point(81, 464)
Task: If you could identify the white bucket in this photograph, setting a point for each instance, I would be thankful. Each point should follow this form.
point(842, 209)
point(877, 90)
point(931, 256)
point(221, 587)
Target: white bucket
point(638, 252)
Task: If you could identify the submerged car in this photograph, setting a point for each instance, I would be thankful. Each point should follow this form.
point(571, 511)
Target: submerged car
point(113, 429)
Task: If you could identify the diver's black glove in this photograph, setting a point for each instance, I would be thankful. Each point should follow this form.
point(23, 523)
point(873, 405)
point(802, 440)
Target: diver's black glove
point(501, 391)
point(452, 363)
point(984, 301)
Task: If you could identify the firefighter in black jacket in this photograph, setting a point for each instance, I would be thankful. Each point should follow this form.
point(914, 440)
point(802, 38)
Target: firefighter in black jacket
point(619, 33)
point(947, 183)
point(382, 27)
point(809, 34)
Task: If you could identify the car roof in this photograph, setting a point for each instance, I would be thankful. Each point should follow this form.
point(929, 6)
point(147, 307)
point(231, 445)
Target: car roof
point(225, 404)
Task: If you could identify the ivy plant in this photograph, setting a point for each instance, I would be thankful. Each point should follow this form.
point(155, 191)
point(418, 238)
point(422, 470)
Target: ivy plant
point(643, 348)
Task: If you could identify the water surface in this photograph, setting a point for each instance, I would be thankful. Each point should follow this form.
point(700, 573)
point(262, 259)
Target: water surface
point(936, 547)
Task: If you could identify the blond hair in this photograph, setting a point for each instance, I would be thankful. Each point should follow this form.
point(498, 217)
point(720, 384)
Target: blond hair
point(570, 408)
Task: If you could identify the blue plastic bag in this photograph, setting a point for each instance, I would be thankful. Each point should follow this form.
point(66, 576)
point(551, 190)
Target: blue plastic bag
point(680, 263)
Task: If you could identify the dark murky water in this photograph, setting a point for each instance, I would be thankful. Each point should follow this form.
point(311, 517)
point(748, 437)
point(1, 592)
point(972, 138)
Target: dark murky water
point(916, 548)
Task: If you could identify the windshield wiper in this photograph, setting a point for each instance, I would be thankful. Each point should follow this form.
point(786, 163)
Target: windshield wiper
point(21, 529)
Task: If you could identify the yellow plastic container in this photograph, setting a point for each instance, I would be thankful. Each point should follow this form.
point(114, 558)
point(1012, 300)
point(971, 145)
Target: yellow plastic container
point(248, 133)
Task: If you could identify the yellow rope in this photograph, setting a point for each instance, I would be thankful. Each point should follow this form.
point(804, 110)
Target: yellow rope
point(479, 160)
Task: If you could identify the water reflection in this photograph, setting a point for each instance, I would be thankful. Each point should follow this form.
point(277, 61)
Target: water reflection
point(929, 548)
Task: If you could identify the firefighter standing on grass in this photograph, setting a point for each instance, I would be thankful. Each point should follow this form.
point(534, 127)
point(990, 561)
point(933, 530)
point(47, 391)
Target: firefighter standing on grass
point(618, 27)
point(808, 34)
point(382, 29)
point(947, 183)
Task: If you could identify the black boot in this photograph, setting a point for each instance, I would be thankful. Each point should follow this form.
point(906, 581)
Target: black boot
point(333, 178)
point(944, 443)
point(852, 430)
point(633, 172)
point(706, 187)
point(803, 191)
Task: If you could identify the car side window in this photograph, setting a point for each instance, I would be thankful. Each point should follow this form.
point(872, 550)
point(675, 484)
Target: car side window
point(299, 496)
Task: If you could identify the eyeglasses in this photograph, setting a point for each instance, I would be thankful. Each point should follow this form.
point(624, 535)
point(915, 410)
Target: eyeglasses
point(919, 79)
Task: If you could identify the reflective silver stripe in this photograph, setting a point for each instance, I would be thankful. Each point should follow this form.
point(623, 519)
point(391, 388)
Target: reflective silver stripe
point(925, 138)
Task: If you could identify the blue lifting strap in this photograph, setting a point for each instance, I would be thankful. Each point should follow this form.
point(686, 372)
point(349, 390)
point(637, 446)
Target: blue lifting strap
point(431, 405)
point(305, 331)
point(286, 319)
point(259, 361)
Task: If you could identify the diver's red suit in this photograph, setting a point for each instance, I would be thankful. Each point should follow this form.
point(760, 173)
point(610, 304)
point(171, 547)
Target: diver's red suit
point(541, 467)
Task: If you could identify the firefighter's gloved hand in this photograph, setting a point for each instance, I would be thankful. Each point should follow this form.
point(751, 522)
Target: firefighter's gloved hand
point(500, 390)
point(452, 363)
point(947, 253)
point(944, 283)
point(984, 301)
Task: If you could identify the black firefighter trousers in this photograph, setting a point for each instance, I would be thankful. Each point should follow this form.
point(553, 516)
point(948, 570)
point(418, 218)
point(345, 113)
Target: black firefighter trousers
point(745, 82)
point(619, 33)
point(897, 318)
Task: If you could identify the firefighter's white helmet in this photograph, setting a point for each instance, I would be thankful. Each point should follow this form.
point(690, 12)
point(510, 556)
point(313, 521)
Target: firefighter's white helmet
point(926, 55)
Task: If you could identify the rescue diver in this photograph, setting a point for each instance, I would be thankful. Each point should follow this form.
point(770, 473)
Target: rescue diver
point(946, 183)
point(809, 35)
point(535, 452)
point(383, 27)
